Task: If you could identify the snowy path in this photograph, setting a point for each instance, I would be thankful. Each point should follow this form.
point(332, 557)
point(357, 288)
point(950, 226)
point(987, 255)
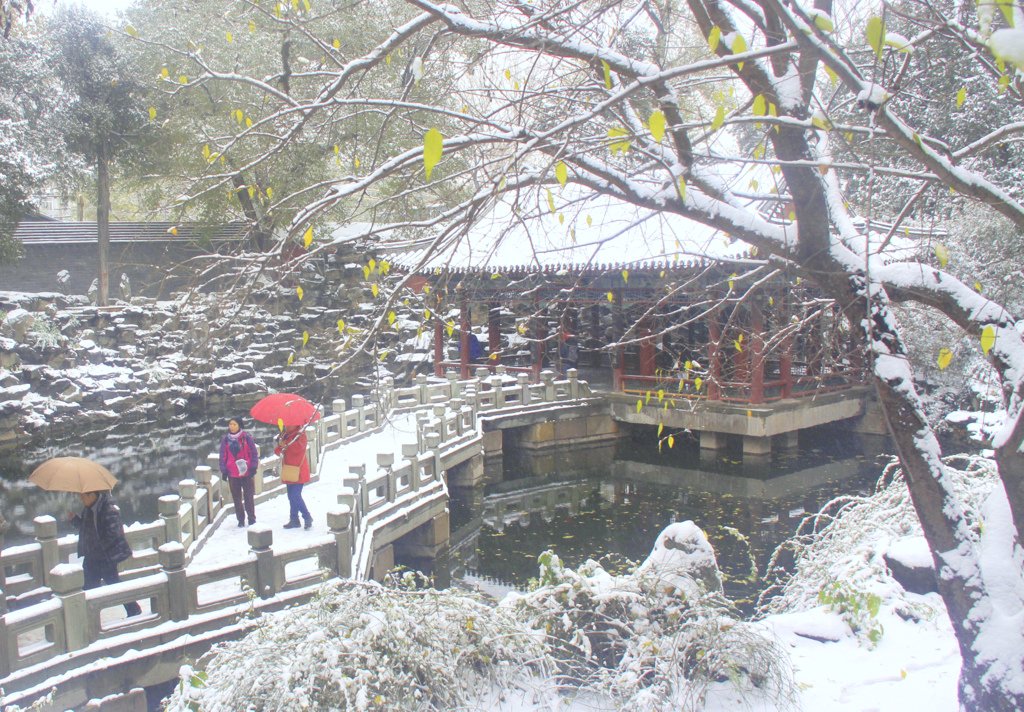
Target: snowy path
point(228, 542)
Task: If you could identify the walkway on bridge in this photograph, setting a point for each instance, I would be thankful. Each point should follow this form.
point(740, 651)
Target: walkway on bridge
point(227, 541)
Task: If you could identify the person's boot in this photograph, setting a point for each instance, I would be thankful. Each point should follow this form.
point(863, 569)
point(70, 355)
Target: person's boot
point(309, 523)
point(294, 524)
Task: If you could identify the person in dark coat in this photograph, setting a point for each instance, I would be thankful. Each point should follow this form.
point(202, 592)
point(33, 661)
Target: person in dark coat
point(101, 542)
point(292, 443)
point(238, 461)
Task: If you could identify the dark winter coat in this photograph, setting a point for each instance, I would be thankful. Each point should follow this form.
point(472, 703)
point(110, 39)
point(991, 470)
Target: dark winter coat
point(244, 449)
point(295, 454)
point(101, 532)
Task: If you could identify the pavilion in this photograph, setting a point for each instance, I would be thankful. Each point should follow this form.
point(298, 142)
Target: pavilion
point(686, 324)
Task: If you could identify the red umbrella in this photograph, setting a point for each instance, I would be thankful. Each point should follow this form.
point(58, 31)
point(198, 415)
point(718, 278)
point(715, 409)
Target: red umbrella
point(287, 408)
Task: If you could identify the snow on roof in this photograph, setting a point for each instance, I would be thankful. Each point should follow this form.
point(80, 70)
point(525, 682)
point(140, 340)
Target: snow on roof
point(522, 230)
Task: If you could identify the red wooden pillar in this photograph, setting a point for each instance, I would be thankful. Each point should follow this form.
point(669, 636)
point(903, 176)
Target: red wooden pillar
point(756, 354)
point(714, 384)
point(494, 331)
point(541, 331)
point(464, 326)
point(646, 350)
point(438, 346)
point(619, 354)
point(786, 367)
point(596, 335)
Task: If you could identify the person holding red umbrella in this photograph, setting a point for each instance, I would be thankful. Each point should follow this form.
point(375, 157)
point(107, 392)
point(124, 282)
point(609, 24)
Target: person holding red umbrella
point(294, 473)
point(292, 413)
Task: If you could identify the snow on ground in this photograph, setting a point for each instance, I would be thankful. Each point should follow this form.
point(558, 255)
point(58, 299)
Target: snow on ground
point(915, 666)
point(230, 542)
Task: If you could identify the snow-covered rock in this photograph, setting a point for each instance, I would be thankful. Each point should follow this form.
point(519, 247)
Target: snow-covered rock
point(684, 558)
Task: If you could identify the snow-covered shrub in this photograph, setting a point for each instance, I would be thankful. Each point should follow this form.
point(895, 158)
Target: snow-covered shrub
point(44, 333)
point(657, 638)
point(654, 639)
point(846, 541)
point(365, 646)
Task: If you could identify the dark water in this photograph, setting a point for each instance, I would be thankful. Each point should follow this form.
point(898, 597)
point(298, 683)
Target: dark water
point(148, 459)
point(610, 505)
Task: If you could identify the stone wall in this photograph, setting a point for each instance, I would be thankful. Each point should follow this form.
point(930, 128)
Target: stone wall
point(154, 269)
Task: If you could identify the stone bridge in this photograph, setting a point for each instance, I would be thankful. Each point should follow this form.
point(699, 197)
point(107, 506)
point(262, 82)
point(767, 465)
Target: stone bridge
point(196, 589)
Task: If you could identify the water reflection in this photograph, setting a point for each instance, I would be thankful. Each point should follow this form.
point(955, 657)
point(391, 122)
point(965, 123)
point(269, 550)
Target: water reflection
point(610, 505)
point(148, 459)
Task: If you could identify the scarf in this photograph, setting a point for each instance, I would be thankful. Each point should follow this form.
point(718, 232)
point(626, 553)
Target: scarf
point(235, 443)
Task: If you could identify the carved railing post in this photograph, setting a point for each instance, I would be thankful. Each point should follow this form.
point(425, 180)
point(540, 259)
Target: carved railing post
point(523, 381)
point(434, 449)
point(172, 561)
point(548, 379)
point(386, 461)
point(410, 451)
point(204, 478)
point(167, 506)
point(339, 408)
point(422, 392)
point(261, 542)
point(67, 580)
point(574, 383)
point(187, 493)
point(358, 402)
point(46, 537)
point(339, 521)
point(312, 448)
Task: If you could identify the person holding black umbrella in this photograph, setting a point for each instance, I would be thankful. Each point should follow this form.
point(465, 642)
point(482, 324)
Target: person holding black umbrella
point(101, 542)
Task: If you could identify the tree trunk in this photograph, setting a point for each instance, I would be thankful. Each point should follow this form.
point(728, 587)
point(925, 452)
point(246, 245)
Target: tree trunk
point(954, 550)
point(1011, 471)
point(103, 224)
point(261, 234)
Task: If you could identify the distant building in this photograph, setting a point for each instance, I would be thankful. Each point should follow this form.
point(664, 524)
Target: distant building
point(151, 254)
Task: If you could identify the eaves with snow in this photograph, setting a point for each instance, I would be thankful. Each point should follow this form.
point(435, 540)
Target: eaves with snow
point(585, 230)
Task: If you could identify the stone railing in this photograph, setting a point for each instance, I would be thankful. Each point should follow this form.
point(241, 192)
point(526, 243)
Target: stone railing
point(186, 518)
point(488, 392)
point(74, 619)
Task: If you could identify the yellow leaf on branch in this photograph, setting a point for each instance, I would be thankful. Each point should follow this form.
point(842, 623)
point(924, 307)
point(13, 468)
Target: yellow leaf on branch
point(945, 358)
point(433, 145)
point(657, 125)
point(988, 339)
point(561, 173)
